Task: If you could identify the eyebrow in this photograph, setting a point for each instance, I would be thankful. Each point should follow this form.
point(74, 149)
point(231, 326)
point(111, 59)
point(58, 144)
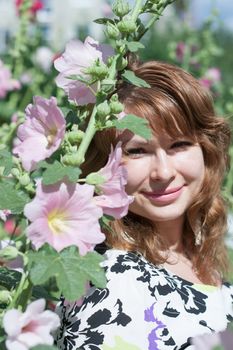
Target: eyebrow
point(137, 142)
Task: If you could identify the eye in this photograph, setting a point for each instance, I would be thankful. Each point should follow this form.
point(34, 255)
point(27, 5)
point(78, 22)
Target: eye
point(135, 152)
point(181, 144)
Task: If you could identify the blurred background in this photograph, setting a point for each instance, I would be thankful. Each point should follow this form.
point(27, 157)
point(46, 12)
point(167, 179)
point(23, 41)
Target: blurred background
point(194, 34)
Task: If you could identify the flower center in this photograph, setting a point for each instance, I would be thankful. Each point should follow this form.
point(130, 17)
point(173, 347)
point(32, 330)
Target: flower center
point(56, 222)
point(51, 137)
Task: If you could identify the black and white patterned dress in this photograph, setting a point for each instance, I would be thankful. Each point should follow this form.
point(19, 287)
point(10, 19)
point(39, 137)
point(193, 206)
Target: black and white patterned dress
point(143, 307)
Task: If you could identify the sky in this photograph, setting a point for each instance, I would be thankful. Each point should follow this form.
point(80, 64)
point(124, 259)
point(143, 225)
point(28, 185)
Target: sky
point(202, 8)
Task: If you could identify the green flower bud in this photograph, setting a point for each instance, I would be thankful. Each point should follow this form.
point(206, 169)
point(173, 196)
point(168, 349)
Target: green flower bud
point(127, 26)
point(120, 8)
point(116, 107)
point(103, 109)
point(15, 172)
point(24, 180)
point(95, 179)
point(75, 136)
point(8, 253)
point(5, 297)
point(112, 31)
point(99, 71)
point(71, 159)
point(122, 63)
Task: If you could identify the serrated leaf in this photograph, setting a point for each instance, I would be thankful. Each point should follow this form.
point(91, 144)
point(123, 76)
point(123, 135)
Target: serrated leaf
point(134, 46)
point(9, 279)
point(12, 198)
point(56, 172)
point(70, 270)
point(138, 126)
point(103, 20)
point(133, 79)
point(6, 161)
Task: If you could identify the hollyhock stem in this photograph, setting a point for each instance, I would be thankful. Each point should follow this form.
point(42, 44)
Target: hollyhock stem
point(136, 11)
point(89, 134)
point(154, 19)
point(22, 293)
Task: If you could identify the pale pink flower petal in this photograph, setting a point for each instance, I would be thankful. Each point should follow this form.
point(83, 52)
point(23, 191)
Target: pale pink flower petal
point(4, 214)
point(121, 115)
point(41, 133)
point(211, 77)
point(31, 328)
point(114, 200)
point(77, 57)
point(63, 215)
point(6, 81)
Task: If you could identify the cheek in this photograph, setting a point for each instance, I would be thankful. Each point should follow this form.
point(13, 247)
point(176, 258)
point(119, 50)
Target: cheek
point(193, 165)
point(135, 174)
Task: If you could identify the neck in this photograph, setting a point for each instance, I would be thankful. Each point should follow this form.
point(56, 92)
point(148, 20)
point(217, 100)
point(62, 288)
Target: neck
point(172, 231)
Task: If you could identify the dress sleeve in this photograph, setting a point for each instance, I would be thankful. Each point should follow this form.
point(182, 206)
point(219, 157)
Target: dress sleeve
point(106, 318)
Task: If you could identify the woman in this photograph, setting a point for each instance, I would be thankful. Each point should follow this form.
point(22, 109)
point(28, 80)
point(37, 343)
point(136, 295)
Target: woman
point(166, 259)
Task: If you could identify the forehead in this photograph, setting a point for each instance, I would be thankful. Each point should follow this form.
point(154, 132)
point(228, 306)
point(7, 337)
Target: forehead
point(128, 137)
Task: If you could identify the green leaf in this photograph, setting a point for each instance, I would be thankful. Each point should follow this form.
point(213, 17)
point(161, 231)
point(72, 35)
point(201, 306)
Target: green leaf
point(40, 292)
point(12, 198)
point(138, 126)
point(103, 20)
point(134, 46)
point(56, 172)
point(44, 347)
point(9, 279)
point(133, 79)
point(70, 270)
point(6, 161)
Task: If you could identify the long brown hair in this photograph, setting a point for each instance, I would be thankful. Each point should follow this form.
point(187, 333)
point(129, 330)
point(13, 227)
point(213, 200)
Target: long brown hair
point(177, 103)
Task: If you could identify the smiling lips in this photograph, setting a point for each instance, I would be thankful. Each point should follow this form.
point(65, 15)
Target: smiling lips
point(164, 196)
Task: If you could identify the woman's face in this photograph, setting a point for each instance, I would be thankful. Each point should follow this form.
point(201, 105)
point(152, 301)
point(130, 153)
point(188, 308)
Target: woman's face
point(164, 176)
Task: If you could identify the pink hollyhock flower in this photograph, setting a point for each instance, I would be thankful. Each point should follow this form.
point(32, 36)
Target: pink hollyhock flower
point(30, 328)
point(180, 50)
point(36, 6)
point(6, 81)
point(64, 215)
point(114, 200)
point(41, 133)
point(77, 57)
point(4, 214)
point(9, 227)
point(211, 77)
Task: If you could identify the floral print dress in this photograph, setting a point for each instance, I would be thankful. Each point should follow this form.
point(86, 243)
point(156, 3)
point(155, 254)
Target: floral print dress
point(143, 307)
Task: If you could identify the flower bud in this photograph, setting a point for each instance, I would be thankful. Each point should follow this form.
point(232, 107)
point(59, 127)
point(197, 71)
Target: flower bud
point(71, 159)
point(122, 63)
point(95, 179)
point(15, 172)
point(24, 180)
point(112, 31)
point(98, 71)
point(8, 253)
point(75, 136)
point(127, 26)
point(120, 8)
point(116, 107)
point(103, 109)
point(5, 297)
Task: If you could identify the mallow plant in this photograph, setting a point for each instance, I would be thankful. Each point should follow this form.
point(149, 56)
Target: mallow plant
point(60, 215)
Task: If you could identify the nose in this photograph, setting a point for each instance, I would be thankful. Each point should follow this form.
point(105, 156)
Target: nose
point(162, 167)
